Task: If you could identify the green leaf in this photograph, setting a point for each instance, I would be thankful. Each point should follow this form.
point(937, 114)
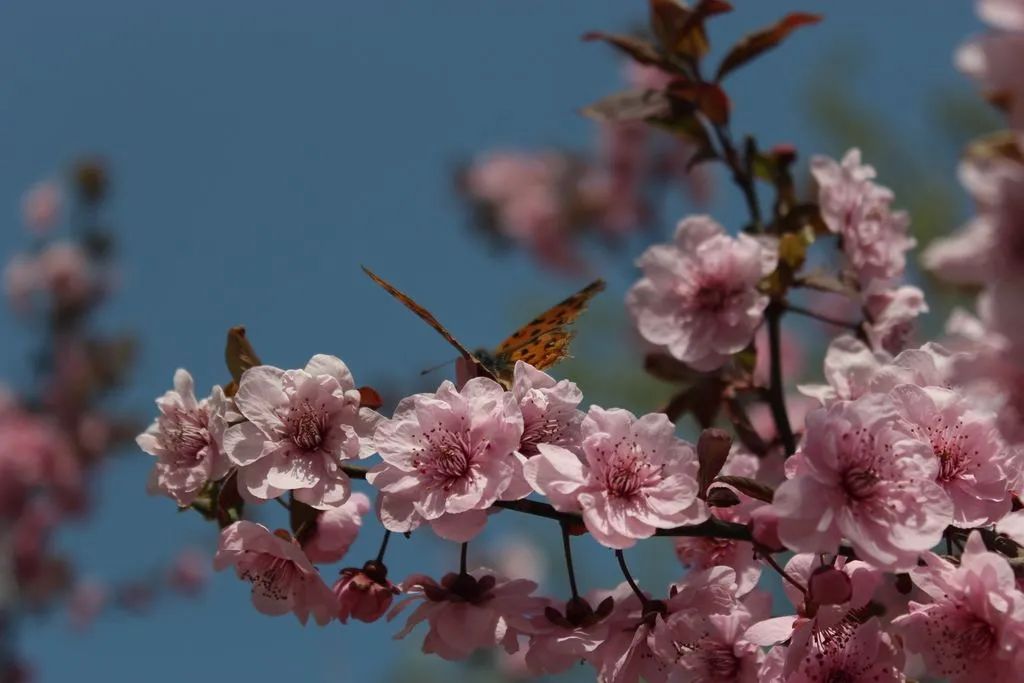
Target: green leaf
point(630, 105)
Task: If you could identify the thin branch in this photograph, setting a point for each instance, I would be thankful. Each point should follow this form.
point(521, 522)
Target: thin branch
point(383, 546)
point(741, 175)
point(710, 528)
point(782, 572)
point(776, 392)
point(629, 577)
point(567, 549)
point(462, 558)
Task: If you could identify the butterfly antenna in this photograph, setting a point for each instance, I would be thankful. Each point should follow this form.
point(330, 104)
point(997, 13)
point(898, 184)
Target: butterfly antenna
point(437, 367)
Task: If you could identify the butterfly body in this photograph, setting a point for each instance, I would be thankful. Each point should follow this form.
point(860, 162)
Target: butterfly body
point(542, 342)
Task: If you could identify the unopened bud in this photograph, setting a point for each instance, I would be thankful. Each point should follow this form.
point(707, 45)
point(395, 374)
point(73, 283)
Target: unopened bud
point(712, 450)
point(829, 586)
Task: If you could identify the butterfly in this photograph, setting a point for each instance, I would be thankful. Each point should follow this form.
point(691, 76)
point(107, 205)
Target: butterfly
point(542, 342)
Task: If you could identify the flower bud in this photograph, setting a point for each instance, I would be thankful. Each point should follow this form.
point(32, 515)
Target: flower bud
point(712, 450)
point(364, 593)
point(829, 586)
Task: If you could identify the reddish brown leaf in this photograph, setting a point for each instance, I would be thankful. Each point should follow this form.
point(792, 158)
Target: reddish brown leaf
point(708, 98)
point(369, 398)
point(680, 30)
point(761, 41)
point(239, 354)
point(640, 50)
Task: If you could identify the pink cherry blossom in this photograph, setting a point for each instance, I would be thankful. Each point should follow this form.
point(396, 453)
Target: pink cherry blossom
point(973, 461)
point(188, 572)
point(852, 653)
point(892, 313)
point(302, 426)
point(364, 594)
point(853, 369)
point(627, 654)
point(989, 247)
point(21, 280)
point(860, 474)
point(874, 238)
point(36, 458)
point(707, 647)
point(698, 297)
point(1005, 14)
point(67, 274)
point(187, 439)
point(565, 634)
point(633, 478)
point(40, 207)
point(973, 627)
point(283, 579)
point(549, 408)
point(448, 457)
point(992, 59)
point(336, 530)
point(467, 612)
point(88, 599)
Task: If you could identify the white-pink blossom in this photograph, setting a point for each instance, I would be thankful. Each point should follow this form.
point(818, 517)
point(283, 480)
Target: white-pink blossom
point(973, 627)
point(974, 463)
point(698, 296)
point(448, 457)
point(873, 236)
point(861, 475)
point(187, 439)
point(283, 579)
point(891, 314)
point(302, 425)
point(468, 612)
point(336, 530)
point(634, 477)
point(550, 409)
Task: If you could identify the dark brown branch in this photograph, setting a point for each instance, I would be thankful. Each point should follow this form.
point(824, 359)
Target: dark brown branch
point(711, 528)
point(776, 391)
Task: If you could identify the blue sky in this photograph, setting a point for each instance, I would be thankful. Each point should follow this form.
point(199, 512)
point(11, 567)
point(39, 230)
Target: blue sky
point(261, 151)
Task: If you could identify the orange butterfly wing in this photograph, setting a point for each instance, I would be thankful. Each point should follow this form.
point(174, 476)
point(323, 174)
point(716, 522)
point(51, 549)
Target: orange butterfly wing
point(423, 313)
point(544, 341)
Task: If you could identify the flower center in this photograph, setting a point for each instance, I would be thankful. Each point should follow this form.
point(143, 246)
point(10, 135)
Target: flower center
point(545, 430)
point(859, 483)
point(720, 662)
point(949, 444)
point(446, 458)
point(271, 577)
point(308, 425)
point(187, 437)
point(976, 640)
point(627, 471)
point(711, 297)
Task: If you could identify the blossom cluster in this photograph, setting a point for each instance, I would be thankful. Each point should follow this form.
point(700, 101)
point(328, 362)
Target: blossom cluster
point(545, 201)
point(885, 501)
point(57, 428)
